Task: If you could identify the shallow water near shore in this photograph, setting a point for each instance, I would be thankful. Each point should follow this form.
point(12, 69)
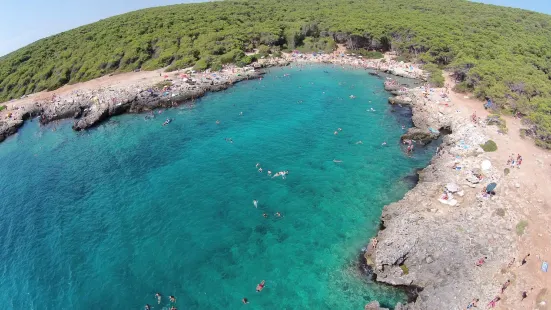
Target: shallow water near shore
point(106, 218)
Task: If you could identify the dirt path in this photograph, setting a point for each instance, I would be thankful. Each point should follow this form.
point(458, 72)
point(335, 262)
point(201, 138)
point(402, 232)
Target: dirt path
point(533, 183)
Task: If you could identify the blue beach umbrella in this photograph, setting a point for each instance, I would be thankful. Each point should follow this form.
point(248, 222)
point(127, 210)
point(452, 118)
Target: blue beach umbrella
point(491, 187)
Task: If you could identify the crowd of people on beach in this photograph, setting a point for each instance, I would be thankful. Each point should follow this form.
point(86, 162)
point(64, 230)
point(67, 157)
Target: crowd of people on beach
point(514, 162)
point(339, 57)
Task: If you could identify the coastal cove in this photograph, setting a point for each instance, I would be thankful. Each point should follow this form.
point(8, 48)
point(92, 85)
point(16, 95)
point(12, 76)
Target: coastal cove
point(109, 216)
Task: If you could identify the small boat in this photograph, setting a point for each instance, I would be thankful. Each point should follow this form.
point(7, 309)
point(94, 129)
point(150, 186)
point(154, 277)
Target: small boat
point(168, 120)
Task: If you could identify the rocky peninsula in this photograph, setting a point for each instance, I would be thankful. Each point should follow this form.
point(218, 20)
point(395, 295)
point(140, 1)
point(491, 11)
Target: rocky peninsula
point(433, 240)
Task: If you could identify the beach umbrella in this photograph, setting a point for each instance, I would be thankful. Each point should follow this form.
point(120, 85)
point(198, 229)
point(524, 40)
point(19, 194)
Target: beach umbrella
point(491, 187)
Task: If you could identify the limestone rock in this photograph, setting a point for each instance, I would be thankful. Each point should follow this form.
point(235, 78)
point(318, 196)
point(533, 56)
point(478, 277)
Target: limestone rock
point(374, 305)
point(419, 135)
point(403, 100)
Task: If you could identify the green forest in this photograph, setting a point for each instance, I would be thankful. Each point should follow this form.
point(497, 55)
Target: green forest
point(496, 52)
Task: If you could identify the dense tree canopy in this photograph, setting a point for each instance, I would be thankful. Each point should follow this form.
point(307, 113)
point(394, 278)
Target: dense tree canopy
point(497, 52)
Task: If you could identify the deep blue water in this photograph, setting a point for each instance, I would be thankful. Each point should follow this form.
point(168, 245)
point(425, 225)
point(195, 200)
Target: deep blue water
point(106, 218)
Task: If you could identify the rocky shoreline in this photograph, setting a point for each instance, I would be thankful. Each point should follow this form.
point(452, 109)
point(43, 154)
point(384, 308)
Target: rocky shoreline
point(89, 108)
point(429, 243)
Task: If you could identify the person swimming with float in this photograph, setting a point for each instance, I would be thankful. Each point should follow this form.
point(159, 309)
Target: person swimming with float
point(158, 295)
point(255, 203)
point(260, 286)
point(172, 298)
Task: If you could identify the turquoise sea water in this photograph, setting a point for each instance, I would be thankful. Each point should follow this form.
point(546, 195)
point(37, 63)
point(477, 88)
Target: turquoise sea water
point(106, 218)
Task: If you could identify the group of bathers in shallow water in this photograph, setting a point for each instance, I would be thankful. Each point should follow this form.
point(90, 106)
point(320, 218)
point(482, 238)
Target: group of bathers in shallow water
point(172, 299)
point(281, 174)
point(159, 297)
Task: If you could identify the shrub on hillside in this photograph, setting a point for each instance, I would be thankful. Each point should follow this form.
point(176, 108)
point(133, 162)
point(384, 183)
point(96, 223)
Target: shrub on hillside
point(489, 146)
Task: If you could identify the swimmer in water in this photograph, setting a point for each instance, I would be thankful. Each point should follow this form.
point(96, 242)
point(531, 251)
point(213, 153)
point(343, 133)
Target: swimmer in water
point(384, 143)
point(173, 308)
point(172, 298)
point(257, 164)
point(260, 169)
point(245, 301)
point(337, 161)
point(265, 215)
point(269, 173)
point(255, 203)
point(217, 122)
point(339, 129)
point(278, 214)
point(158, 295)
point(359, 142)
point(241, 113)
point(260, 286)
point(276, 175)
point(147, 307)
point(336, 133)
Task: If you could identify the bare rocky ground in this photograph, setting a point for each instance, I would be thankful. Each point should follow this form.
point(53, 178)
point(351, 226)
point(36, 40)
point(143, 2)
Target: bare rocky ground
point(432, 245)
